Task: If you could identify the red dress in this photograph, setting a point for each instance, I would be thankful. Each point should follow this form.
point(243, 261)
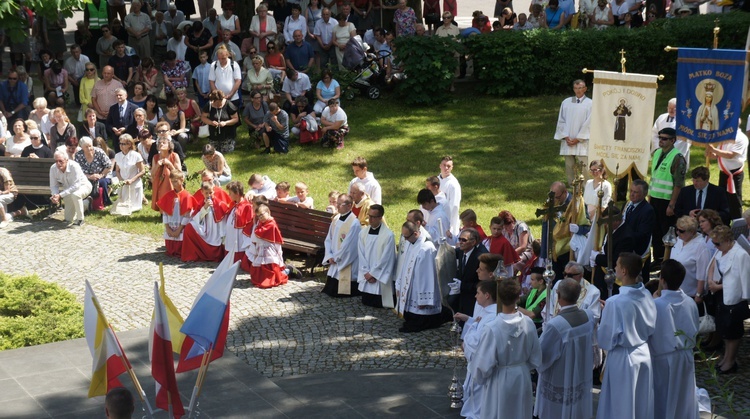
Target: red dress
point(160, 183)
point(501, 246)
point(190, 114)
point(240, 215)
point(194, 245)
point(187, 205)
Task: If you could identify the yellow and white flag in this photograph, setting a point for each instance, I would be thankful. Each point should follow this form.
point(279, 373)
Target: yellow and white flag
point(621, 120)
point(108, 361)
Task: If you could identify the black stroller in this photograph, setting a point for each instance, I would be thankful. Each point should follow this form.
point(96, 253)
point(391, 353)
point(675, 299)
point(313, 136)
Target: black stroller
point(367, 68)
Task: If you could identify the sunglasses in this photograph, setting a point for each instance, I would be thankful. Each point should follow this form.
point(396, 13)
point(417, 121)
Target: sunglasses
point(717, 244)
point(679, 230)
point(162, 131)
point(35, 138)
point(271, 47)
point(12, 78)
point(665, 138)
point(463, 240)
point(90, 69)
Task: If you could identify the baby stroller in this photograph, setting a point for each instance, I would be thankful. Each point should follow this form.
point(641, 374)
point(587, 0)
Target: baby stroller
point(368, 71)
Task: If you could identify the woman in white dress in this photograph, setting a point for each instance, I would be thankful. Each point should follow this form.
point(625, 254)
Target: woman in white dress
point(508, 350)
point(129, 169)
point(601, 17)
point(691, 252)
point(592, 187)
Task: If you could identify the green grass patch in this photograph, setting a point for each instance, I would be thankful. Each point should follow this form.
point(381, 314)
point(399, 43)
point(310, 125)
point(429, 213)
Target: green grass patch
point(33, 312)
point(504, 155)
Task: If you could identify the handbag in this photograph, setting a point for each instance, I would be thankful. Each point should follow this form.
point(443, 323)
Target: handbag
point(706, 324)
point(203, 131)
point(432, 19)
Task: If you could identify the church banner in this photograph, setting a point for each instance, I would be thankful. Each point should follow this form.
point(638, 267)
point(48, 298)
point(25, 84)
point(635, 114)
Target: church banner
point(621, 120)
point(710, 86)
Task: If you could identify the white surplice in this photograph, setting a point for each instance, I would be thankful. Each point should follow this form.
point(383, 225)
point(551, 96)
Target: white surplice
point(372, 187)
point(588, 300)
point(341, 244)
point(508, 350)
point(473, 392)
point(175, 220)
point(433, 224)
point(672, 356)
point(573, 121)
point(377, 256)
point(207, 228)
point(416, 284)
point(627, 322)
point(452, 189)
point(234, 240)
point(565, 379)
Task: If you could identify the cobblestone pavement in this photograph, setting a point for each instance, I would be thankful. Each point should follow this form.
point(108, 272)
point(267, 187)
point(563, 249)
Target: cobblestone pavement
point(292, 329)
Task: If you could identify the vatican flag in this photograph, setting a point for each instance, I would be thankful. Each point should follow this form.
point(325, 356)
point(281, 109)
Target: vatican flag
point(621, 120)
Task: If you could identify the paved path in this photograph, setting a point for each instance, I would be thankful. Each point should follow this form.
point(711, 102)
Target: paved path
point(292, 329)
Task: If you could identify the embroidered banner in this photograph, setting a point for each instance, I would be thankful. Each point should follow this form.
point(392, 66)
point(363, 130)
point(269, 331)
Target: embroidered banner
point(710, 86)
point(621, 120)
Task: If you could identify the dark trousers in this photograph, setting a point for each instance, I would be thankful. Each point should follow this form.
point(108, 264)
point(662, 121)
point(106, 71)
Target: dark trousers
point(663, 222)
point(735, 199)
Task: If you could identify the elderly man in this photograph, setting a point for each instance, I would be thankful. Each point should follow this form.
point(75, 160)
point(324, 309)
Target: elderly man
point(668, 120)
point(565, 380)
point(299, 54)
point(377, 261)
point(104, 93)
point(75, 65)
point(731, 158)
point(452, 190)
point(469, 249)
point(14, 97)
point(435, 216)
point(138, 26)
point(323, 32)
point(226, 40)
point(119, 117)
point(341, 251)
point(417, 287)
point(667, 178)
point(672, 345)
point(573, 129)
point(366, 178)
point(627, 322)
point(588, 298)
point(362, 203)
point(68, 184)
point(296, 84)
point(212, 23)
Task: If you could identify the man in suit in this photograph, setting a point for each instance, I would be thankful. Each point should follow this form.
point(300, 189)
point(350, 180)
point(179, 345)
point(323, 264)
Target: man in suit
point(467, 256)
point(621, 242)
point(702, 195)
point(119, 117)
point(639, 220)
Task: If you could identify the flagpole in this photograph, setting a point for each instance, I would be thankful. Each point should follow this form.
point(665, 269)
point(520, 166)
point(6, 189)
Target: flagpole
point(205, 370)
point(198, 383)
point(125, 360)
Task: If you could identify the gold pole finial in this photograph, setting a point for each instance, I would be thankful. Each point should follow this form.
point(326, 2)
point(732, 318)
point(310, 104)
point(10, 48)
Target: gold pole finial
point(717, 29)
point(622, 60)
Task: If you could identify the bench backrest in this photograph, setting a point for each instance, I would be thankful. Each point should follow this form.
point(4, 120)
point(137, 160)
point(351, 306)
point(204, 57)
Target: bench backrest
point(307, 225)
point(28, 172)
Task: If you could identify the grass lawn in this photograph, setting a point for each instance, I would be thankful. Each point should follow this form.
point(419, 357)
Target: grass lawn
point(504, 156)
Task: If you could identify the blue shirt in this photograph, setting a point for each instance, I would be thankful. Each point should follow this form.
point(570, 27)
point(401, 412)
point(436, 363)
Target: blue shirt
point(328, 92)
point(11, 98)
point(299, 55)
point(200, 74)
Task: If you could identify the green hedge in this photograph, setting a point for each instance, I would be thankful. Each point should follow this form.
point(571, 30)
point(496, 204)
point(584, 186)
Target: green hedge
point(33, 312)
point(430, 64)
point(539, 62)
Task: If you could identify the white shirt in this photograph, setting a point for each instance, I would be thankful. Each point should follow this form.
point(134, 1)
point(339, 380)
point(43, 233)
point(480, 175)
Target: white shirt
point(76, 68)
point(67, 182)
point(297, 87)
point(340, 115)
point(224, 77)
point(324, 30)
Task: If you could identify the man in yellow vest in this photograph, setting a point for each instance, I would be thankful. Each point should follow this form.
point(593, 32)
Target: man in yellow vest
point(667, 178)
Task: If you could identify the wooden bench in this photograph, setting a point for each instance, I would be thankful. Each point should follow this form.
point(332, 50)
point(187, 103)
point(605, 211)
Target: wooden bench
point(31, 176)
point(304, 231)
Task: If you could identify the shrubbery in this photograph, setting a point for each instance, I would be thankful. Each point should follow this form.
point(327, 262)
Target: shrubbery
point(541, 62)
point(33, 312)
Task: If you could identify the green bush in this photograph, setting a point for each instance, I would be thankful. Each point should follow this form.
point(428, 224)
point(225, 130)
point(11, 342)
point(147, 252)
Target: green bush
point(34, 312)
point(541, 62)
point(430, 64)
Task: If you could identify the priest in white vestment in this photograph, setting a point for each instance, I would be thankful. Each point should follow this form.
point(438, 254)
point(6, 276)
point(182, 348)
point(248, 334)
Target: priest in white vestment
point(341, 251)
point(436, 216)
point(627, 322)
point(452, 189)
point(377, 260)
point(417, 287)
point(672, 346)
point(573, 129)
point(485, 312)
point(508, 350)
point(588, 299)
point(565, 380)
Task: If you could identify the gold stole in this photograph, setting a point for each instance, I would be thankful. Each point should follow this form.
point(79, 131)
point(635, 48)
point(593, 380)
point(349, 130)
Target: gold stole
point(584, 290)
point(345, 274)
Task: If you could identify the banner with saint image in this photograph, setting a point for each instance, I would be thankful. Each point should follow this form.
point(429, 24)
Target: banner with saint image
point(710, 86)
point(621, 120)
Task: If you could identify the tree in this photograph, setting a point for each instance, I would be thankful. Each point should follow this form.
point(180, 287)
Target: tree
point(15, 21)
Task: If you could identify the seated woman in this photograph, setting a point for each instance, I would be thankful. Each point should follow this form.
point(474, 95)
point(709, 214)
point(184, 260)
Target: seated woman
point(276, 64)
point(55, 84)
point(326, 89)
point(162, 132)
point(203, 236)
point(298, 112)
point(253, 116)
point(20, 140)
point(164, 163)
point(8, 195)
point(90, 127)
point(507, 19)
point(148, 74)
point(41, 115)
point(215, 162)
point(265, 260)
point(239, 214)
point(95, 164)
point(139, 124)
point(129, 168)
point(102, 145)
point(139, 95)
point(62, 130)
point(176, 207)
point(602, 17)
point(145, 141)
point(190, 109)
point(222, 118)
point(258, 78)
point(518, 234)
point(153, 111)
point(333, 125)
point(37, 149)
point(554, 15)
point(177, 123)
point(175, 72)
